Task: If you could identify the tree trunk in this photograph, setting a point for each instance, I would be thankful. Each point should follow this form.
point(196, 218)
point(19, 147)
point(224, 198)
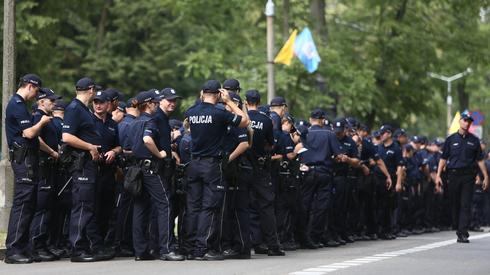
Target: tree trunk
point(102, 24)
point(285, 20)
point(317, 10)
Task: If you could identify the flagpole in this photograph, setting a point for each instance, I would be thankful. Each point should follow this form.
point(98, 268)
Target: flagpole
point(269, 12)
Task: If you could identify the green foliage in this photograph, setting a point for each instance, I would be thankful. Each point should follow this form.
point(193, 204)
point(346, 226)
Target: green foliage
point(375, 54)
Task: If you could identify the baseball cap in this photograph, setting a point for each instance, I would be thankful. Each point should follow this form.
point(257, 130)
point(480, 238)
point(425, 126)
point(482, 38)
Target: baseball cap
point(211, 86)
point(101, 96)
point(376, 134)
point(339, 125)
point(85, 83)
point(265, 109)
point(385, 128)
point(169, 94)
point(175, 123)
point(232, 84)
point(146, 96)
point(236, 98)
point(121, 107)
point(467, 116)
point(399, 132)
point(112, 94)
point(252, 96)
point(278, 101)
point(439, 141)
point(47, 93)
point(302, 122)
point(318, 114)
point(33, 79)
point(416, 139)
point(59, 105)
point(352, 122)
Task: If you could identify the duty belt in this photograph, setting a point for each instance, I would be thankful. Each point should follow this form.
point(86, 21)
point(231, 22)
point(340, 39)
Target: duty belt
point(203, 157)
point(462, 171)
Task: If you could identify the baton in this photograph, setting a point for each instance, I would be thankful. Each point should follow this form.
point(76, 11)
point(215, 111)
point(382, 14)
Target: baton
point(66, 184)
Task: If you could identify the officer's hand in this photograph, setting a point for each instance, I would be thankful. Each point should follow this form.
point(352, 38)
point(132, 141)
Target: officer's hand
point(163, 154)
point(175, 134)
point(398, 187)
point(54, 155)
point(485, 183)
point(365, 170)
point(94, 152)
point(225, 96)
point(438, 184)
point(45, 119)
point(389, 183)
point(110, 157)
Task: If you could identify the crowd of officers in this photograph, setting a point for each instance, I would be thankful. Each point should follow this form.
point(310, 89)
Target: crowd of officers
point(100, 178)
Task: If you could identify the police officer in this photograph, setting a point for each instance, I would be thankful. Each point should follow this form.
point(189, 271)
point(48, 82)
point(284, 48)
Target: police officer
point(460, 156)
point(369, 160)
point(47, 174)
point(105, 183)
point(236, 232)
point(168, 103)
point(59, 242)
point(341, 184)
point(287, 186)
point(261, 190)
point(81, 135)
point(23, 150)
point(208, 124)
point(319, 146)
point(391, 154)
point(154, 194)
point(123, 240)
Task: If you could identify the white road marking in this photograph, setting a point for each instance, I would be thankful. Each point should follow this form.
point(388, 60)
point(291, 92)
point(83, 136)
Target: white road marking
point(320, 270)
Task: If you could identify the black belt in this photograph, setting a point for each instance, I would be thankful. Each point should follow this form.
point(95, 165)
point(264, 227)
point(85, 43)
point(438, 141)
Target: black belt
point(462, 171)
point(203, 157)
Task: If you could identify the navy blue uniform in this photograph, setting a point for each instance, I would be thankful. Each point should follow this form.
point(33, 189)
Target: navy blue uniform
point(58, 124)
point(322, 146)
point(17, 119)
point(155, 193)
point(367, 189)
point(461, 152)
point(162, 122)
point(392, 157)
point(236, 230)
point(262, 216)
point(286, 191)
point(208, 125)
point(84, 236)
point(124, 134)
point(46, 188)
point(343, 184)
point(106, 183)
point(124, 201)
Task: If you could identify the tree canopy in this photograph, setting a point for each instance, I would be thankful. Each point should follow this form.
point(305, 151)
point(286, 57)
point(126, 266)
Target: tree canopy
point(375, 53)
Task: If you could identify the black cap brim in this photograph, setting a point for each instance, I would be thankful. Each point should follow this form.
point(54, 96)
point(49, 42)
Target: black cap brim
point(172, 97)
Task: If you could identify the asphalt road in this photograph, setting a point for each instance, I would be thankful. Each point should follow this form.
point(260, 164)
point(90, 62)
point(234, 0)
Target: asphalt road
point(432, 254)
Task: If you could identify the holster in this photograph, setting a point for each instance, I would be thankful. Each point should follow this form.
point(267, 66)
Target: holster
point(19, 152)
point(179, 179)
point(79, 159)
point(167, 167)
